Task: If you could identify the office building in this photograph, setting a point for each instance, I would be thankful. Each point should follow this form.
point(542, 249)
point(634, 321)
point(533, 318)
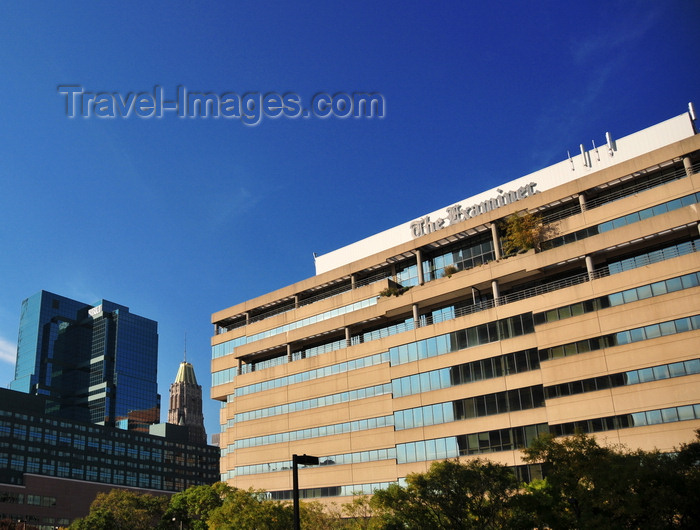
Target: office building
point(428, 341)
point(98, 363)
point(186, 403)
point(52, 468)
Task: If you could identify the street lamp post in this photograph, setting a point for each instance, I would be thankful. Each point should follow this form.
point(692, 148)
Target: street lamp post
point(296, 460)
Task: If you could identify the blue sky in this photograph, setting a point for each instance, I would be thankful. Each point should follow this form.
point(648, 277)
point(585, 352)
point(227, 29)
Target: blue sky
point(178, 218)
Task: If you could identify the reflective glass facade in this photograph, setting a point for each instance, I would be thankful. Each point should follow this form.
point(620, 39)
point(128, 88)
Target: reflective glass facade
point(97, 363)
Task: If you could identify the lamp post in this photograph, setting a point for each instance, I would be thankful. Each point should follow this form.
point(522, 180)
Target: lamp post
point(296, 460)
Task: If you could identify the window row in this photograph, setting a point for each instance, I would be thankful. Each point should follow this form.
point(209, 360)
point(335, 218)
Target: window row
point(466, 338)
point(625, 421)
point(331, 491)
point(323, 401)
point(632, 377)
point(643, 292)
point(471, 253)
point(510, 363)
point(311, 375)
point(625, 220)
point(336, 460)
point(338, 311)
point(222, 377)
point(655, 256)
point(472, 407)
point(651, 331)
point(317, 432)
point(229, 346)
point(469, 444)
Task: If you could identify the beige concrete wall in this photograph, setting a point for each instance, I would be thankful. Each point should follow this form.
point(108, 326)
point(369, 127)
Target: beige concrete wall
point(444, 291)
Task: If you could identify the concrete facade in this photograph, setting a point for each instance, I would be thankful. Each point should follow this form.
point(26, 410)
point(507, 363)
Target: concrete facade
point(385, 363)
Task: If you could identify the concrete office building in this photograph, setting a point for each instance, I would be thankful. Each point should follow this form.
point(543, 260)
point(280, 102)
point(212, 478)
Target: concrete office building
point(98, 363)
point(598, 331)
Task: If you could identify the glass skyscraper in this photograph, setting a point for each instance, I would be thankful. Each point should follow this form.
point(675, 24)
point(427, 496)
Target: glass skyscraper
point(95, 363)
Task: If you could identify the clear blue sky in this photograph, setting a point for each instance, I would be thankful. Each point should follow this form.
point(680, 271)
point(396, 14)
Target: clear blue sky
point(179, 218)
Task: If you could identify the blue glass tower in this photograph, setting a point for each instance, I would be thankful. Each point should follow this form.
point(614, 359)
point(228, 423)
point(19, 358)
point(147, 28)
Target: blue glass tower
point(96, 363)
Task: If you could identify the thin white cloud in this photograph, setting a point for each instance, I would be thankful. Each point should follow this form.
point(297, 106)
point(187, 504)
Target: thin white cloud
point(8, 351)
point(614, 43)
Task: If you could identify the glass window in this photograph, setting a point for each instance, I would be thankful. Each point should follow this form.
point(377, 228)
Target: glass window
point(646, 213)
point(673, 205)
point(658, 288)
point(428, 416)
point(420, 452)
point(652, 331)
point(686, 413)
point(444, 376)
point(632, 377)
point(441, 448)
point(674, 284)
point(638, 419)
point(654, 417)
point(690, 280)
point(423, 382)
point(693, 366)
point(667, 328)
point(636, 334)
point(629, 296)
point(676, 369)
point(669, 415)
point(646, 375)
point(682, 324)
point(661, 372)
point(556, 352)
point(644, 292)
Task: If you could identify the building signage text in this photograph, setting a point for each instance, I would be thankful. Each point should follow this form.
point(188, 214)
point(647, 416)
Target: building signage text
point(458, 212)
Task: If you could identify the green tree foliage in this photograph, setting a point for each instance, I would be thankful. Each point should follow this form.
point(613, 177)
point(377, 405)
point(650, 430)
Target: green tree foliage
point(359, 514)
point(523, 231)
point(193, 506)
point(251, 510)
point(452, 494)
point(590, 486)
point(124, 510)
point(587, 486)
point(316, 516)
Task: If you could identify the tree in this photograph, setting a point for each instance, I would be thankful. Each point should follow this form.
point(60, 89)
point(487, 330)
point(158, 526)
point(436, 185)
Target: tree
point(589, 486)
point(251, 510)
point(523, 231)
point(451, 495)
point(193, 506)
point(316, 516)
point(123, 510)
point(359, 513)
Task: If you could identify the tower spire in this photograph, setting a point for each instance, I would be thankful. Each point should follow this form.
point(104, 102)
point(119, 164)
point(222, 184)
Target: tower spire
point(185, 346)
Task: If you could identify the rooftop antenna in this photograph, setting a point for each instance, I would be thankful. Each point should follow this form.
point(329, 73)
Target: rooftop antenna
point(691, 110)
point(568, 154)
point(609, 140)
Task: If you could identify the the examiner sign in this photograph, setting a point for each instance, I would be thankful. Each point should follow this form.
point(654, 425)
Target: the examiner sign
point(458, 212)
